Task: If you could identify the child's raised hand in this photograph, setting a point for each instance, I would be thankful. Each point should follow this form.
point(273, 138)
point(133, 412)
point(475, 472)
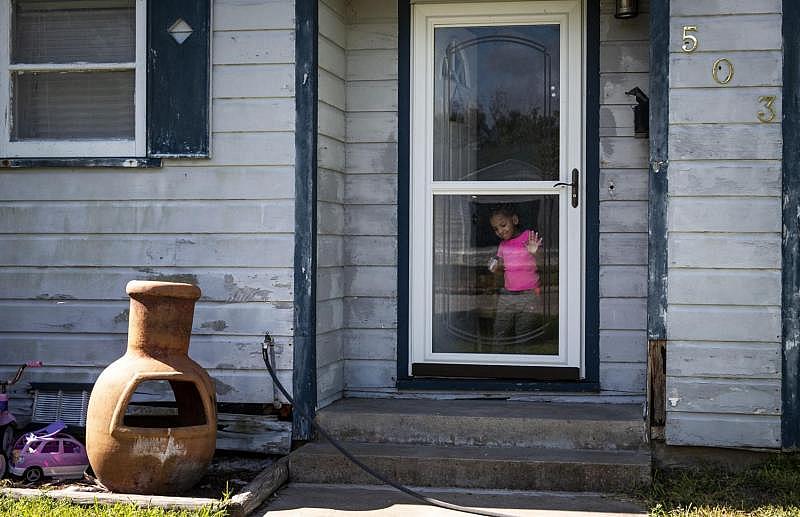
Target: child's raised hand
point(534, 242)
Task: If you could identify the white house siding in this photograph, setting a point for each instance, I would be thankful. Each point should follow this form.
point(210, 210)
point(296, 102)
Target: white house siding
point(330, 206)
point(370, 344)
point(624, 64)
point(724, 228)
point(371, 197)
point(70, 239)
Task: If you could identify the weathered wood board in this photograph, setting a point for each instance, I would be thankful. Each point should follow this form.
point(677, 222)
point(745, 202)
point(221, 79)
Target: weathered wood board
point(253, 433)
point(725, 178)
point(331, 214)
point(712, 7)
point(721, 430)
point(701, 359)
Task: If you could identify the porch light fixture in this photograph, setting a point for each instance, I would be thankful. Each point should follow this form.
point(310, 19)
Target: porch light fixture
point(626, 9)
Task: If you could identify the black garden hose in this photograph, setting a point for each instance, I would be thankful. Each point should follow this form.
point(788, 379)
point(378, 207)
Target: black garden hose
point(428, 500)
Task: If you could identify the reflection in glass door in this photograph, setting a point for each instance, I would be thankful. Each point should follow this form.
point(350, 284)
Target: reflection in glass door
point(496, 103)
point(496, 276)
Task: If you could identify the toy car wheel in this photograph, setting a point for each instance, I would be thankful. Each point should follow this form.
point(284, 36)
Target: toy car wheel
point(7, 439)
point(33, 474)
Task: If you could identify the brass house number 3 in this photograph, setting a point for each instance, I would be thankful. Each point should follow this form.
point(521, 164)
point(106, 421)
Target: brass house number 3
point(769, 114)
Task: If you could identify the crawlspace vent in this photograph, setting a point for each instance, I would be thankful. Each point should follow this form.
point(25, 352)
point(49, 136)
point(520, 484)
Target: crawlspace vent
point(66, 403)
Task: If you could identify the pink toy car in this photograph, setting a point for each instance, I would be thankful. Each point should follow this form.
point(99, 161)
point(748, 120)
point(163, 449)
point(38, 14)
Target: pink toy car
point(48, 452)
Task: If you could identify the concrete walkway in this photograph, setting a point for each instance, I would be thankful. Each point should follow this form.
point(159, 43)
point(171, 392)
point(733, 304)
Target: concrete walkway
point(299, 499)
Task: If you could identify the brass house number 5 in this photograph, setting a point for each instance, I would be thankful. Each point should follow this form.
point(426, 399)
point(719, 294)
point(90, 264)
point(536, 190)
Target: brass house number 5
point(689, 40)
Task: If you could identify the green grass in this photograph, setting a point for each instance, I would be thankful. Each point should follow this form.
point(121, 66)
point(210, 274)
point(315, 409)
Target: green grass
point(771, 489)
point(46, 506)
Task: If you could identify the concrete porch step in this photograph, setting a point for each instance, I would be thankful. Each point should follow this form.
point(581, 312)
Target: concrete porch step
point(509, 468)
point(309, 500)
point(493, 423)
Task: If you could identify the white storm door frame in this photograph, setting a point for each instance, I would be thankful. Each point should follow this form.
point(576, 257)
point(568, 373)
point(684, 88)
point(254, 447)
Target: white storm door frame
point(425, 18)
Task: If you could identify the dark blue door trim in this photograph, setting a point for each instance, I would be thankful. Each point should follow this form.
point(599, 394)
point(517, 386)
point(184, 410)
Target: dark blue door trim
point(403, 185)
point(791, 227)
point(305, 236)
point(592, 206)
point(657, 198)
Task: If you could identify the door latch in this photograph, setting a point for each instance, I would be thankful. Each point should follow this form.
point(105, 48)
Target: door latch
point(576, 187)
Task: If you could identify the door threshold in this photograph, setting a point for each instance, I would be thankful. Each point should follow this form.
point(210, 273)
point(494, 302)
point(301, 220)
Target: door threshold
point(512, 385)
point(496, 372)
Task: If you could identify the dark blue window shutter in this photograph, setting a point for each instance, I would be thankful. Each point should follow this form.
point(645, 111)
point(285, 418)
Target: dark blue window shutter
point(178, 77)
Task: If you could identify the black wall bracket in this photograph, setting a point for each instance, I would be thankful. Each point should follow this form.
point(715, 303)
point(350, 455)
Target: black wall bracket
point(641, 113)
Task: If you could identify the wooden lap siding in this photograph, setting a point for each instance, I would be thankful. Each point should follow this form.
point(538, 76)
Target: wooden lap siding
point(330, 205)
point(724, 229)
point(624, 64)
point(370, 248)
point(371, 195)
point(70, 239)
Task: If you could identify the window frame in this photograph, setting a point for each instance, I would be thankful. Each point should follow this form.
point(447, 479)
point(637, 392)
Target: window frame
point(74, 148)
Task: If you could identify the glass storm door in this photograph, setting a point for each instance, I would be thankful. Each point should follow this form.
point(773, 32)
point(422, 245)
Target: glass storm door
point(496, 219)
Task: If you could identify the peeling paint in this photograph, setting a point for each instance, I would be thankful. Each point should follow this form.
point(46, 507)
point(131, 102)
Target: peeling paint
point(184, 278)
point(46, 296)
point(65, 326)
point(611, 187)
point(607, 149)
point(217, 325)
point(238, 294)
point(222, 388)
point(156, 447)
point(122, 317)
point(673, 401)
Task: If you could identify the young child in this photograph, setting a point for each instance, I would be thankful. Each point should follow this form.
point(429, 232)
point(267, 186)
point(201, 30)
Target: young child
point(520, 299)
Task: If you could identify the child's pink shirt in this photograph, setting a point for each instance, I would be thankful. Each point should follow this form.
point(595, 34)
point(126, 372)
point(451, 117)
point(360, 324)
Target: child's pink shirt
point(519, 265)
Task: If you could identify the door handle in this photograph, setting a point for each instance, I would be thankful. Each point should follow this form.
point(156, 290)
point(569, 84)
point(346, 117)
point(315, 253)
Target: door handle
point(576, 187)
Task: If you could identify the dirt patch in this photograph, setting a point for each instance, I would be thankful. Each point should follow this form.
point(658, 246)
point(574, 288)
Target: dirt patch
point(230, 472)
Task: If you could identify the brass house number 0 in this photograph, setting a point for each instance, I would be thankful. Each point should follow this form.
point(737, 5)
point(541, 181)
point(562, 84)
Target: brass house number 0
point(722, 71)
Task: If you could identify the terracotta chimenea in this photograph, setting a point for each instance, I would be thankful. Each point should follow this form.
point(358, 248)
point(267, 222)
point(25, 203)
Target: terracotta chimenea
point(145, 454)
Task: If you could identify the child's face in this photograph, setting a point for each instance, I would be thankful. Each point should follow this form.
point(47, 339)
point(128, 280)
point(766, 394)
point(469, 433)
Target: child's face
point(504, 226)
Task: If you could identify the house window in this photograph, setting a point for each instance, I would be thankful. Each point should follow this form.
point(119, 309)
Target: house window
point(110, 79)
point(73, 78)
